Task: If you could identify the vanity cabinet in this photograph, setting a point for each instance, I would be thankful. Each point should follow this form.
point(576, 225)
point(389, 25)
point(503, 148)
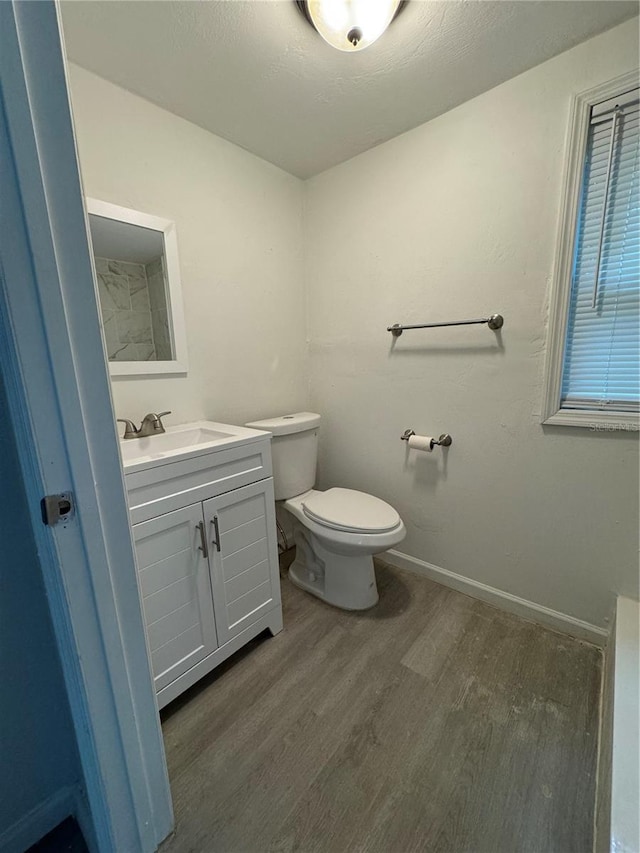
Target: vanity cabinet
point(173, 575)
point(244, 577)
point(208, 571)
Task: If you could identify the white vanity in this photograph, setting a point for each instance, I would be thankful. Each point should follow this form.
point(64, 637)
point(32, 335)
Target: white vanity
point(203, 516)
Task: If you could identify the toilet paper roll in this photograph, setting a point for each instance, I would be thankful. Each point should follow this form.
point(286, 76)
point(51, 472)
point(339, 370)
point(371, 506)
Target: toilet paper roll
point(421, 442)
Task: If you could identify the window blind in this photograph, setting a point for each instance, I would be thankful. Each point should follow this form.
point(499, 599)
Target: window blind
point(602, 354)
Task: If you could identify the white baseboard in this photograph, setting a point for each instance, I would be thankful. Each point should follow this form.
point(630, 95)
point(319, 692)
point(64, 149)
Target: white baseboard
point(561, 622)
point(32, 826)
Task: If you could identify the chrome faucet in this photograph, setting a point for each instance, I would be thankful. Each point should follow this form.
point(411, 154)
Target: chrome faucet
point(151, 425)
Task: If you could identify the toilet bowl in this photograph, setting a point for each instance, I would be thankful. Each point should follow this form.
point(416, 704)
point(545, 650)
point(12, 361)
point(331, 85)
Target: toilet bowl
point(337, 531)
point(334, 556)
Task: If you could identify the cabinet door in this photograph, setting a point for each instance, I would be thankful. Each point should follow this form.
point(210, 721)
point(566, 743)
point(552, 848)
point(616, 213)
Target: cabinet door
point(175, 587)
point(243, 556)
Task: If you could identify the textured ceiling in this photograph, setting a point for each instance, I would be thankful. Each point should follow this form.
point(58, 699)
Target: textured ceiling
point(255, 73)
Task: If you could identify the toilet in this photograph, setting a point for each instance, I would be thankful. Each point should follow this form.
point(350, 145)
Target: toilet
point(336, 532)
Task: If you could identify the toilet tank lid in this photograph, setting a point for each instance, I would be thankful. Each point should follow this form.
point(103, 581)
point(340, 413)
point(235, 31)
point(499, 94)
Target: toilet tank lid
point(286, 424)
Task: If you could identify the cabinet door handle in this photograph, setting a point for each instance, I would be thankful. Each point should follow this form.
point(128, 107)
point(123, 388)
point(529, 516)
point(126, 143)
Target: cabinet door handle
point(216, 540)
point(203, 540)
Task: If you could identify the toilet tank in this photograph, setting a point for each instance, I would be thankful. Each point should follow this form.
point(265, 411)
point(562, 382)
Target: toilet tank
point(294, 447)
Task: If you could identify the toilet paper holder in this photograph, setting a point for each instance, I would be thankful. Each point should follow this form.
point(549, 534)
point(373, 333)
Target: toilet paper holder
point(445, 439)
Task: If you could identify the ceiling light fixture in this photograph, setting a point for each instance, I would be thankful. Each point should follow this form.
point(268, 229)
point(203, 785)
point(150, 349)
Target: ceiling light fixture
point(350, 25)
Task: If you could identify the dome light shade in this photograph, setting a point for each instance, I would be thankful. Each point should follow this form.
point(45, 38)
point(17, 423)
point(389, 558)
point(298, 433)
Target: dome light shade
point(351, 25)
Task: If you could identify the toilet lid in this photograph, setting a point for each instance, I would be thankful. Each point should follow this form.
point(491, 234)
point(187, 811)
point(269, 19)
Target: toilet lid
point(346, 509)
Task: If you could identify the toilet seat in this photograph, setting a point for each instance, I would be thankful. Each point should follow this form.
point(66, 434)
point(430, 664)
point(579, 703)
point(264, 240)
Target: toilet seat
point(351, 511)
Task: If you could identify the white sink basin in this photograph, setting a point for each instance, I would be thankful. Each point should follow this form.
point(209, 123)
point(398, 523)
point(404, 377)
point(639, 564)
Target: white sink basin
point(182, 442)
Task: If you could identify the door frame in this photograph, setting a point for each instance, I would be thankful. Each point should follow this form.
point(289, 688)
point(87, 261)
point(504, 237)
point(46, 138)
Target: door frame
point(53, 363)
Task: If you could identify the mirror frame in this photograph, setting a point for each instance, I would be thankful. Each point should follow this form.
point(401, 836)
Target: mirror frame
point(179, 364)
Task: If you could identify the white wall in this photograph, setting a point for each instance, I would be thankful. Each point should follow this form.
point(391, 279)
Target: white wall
point(239, 228)
point(458, 218)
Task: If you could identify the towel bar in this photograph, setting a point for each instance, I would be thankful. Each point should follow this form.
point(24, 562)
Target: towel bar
point(494, 322)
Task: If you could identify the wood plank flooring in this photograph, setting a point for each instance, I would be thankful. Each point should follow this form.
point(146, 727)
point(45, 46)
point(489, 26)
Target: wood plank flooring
point(433, 722)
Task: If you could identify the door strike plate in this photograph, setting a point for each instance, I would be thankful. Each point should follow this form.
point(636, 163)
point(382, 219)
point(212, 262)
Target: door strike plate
point(57, 508)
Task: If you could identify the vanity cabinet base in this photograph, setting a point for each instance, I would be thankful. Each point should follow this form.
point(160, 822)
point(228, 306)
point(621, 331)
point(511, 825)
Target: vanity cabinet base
point(271, 621)
point(206, 545)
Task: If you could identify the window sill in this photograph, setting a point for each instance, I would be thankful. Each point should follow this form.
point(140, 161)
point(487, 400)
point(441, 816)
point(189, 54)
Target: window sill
point(596, 420)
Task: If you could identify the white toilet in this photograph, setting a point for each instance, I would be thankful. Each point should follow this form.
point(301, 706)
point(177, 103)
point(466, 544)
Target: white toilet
point(336, 532)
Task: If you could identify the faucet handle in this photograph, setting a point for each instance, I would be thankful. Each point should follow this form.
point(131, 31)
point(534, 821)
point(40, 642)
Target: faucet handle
point(130, 429)
point(153, 422)
point(159, 425)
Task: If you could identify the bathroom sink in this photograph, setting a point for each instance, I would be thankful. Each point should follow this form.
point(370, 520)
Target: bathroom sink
point(168, 442)
point(182, 442)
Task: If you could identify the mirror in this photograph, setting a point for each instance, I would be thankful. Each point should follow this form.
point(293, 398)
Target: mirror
point(136, 262)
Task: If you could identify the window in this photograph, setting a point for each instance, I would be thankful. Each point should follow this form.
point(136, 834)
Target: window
point(593, 365)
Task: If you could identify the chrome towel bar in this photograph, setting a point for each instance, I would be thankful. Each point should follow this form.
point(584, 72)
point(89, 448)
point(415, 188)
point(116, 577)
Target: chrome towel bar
point(494, 322)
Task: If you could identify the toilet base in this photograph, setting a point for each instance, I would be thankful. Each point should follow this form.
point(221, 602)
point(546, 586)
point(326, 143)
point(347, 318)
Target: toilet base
point(348, 582)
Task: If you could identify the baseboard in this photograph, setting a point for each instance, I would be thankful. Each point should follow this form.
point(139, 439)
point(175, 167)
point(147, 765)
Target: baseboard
point(561, 622)
point(32, 826)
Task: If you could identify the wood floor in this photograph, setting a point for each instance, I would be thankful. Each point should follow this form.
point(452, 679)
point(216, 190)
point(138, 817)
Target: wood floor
point(433, 722)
